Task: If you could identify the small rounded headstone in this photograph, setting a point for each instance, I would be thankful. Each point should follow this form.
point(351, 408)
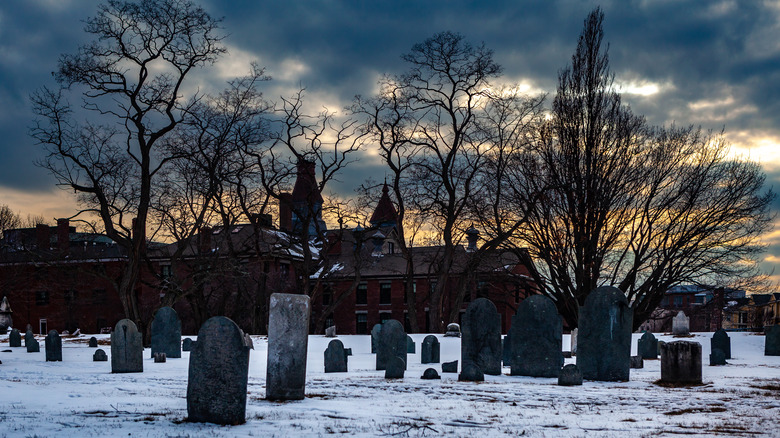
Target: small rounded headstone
point(430, 374)
point(93, 342)
point(395, 368)
point(637, 362)
point(471, 373)
point(99, 356)
point(570, 375)
point(159, 357)
point(186, 344)
point(330, 332)
point(453, 330)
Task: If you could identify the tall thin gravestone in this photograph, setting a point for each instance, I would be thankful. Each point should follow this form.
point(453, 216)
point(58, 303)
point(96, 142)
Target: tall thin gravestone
point(375, 336)
point(681, 362)
point(28, 335)
point(647, 346)
point(53, 347)
point(720, 340)
point(536, 335)
point(288, 339)
point(573, 341)
point(15, 338)
point(166, 333)
point(335, 357)
point(604, 344)
point(772, 341)
point(430, 350)
point(480, 339)
point(218, 374)
point(32, 345)
point(410, 347)
point(127, 349)
point(681, 324)
point(390, 343)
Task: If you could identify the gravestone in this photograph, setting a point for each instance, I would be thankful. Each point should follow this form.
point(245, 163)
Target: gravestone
point(375, 336)
point(471, 372)
point(53, 347)
point(330, 332)
point(335, 357)
point(772, 341)
point(681, 363)
point(218, 374)
point(15, 338)
point(430, 349)
point(647, 346)
point(604, 344)
point(637, 362)
point(660, 344)
point(720, 340)
point(395, 368)
point(573, 341)
point(453, 330)
point(717, 357)
point(506, 349)
point(6, 320)
point(430, 374)
point(248, 341)
point(127, 348)
point(186, 344)
point(536, 335)
point(570, 375)
point(28, 335)
point(449, 367)
point(32, 345)
point(288, 338)
point(92, 342)
point(390, 343)
point(166, 333)
point(681, 325)
point(481, 339)
point(160, 357)
point(347, 352)
point(410, 347)
point(99, 356)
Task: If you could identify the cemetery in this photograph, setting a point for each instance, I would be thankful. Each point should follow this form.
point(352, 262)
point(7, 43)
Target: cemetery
point(219, 388)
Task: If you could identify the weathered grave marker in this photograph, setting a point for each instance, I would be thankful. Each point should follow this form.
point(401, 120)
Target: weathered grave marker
point(647, 346)
point(32, 345)
point(99, 356)
point(390, 343)
point(92, 342)
point(330, 332)
point(481, 340)
point(15, 338)
point(53, 344)
point(681, 363)
point(430, 374)
point(449, 367)
point(772, 341)
point(375, 336)
point(536, 338)
point(720, 340)
point(453, 330)
point(604, 344)
point(395, 368)
point(160, 357)
point(637, 362)
point(335, 357)
point(186, 344)
point(570, 375)
point(430, 350)
point(717, 357)
point(681, 325)
point(166, 333)
point(288, 338)
point(410, 347)
point(127, 349)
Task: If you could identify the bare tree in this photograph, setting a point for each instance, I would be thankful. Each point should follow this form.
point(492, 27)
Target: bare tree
point(626, 205)
point(131, 80)
point(8, 219)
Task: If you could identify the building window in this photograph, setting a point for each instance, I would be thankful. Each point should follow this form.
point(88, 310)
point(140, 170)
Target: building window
point(361, 323)
point(743, 317)
point(327, 295)
point(390, 248)
point(165, 271)
point(41, 298)
point(385, 316)
point(361, 294)
point(384, 293)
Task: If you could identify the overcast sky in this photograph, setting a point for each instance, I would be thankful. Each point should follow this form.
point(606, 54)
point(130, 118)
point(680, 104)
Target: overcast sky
point(709, 63)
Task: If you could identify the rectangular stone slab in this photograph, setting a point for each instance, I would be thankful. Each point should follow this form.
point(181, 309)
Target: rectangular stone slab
point(288, 336)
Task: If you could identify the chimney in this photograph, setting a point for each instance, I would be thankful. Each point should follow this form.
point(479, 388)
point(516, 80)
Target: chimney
point(285, 212)
point(63, 235)
point(472, 235)
point(204, 240)
point(43, 236)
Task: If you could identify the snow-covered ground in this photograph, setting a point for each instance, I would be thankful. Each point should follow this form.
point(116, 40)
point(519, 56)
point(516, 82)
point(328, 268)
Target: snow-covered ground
point(78, 397)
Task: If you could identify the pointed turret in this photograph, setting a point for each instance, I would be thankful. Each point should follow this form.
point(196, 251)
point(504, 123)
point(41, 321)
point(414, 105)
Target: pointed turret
point(384, 214)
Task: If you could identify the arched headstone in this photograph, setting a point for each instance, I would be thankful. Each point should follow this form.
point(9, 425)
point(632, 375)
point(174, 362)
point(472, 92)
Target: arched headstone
point(288, 339)
point(375, 336)
point(390, 343)
point(166, 333)
point(186, 344)
point(604, 344)
point(430, 350)
point(99, 356)
point(647, 346)
point(53, 347)
point(480, 339)
point(127, 348)
point(681, 362)
point(335, 357)
point(681, 324)
point(92, 342)
point(772, 341)
point(15, 338)
point(218, 374)
point(720, 340)
point(536, 338)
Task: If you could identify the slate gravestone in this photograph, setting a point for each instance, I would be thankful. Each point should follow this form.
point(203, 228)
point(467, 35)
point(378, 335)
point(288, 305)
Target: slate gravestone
point(647, 346)
point(218, 374)
point(28, 335)
point(604, 339)
point(681, 325)
point(99, 356)
point(288, 338)
point(453, 330)
point(159, 357)
point(347, 352)
point(330, 332)
point(772, 341)
point(375, 336)
point(573, 341)
point(570, 375)
point(32, 345)
point(390, 343)
point(449, 367)
point(536, 337)
point(92, 342)
point(681, 363)
point(127, 348)
point(186, 344)
point(335, 357)
point(15, 338)
point(506, 349)
point(410, 347)
point(471, 372)
point(720, 340)
point(637, 362)
point(430, 374)
point(480, 343)
point(395, 368)
point(717, 357)
point(430, 349)
point(660, 344)
point(166, 333)
point(53, 347)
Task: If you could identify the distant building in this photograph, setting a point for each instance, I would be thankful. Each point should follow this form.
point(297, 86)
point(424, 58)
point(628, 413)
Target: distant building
point(704, 305)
